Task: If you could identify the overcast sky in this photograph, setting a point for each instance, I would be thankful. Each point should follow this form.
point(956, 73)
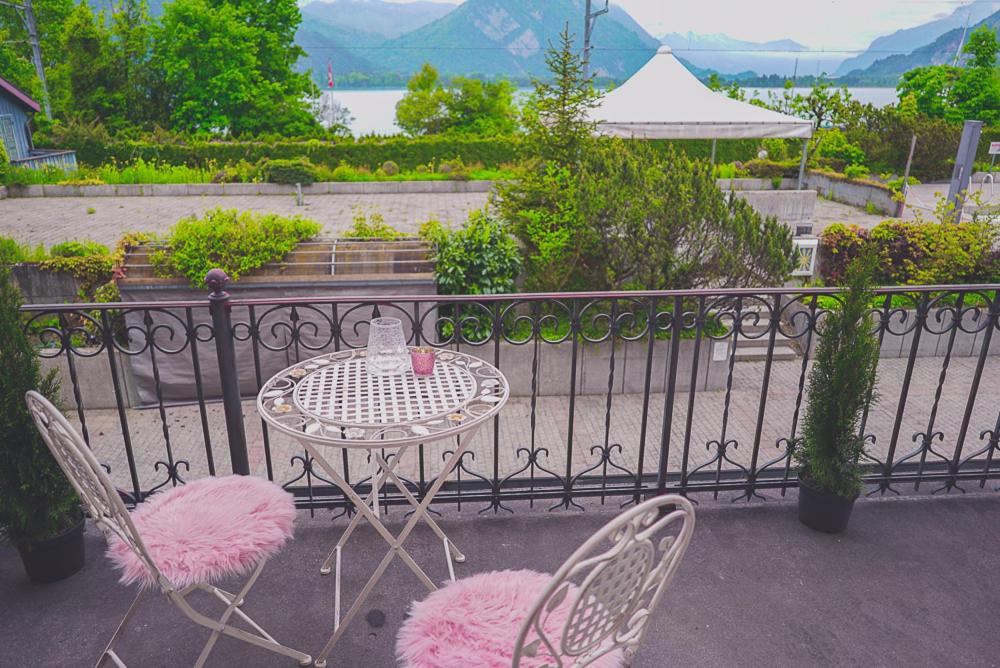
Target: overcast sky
point(819, 24)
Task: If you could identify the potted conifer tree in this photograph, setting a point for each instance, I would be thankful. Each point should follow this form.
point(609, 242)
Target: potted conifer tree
point(39, 510)
point(841, 380)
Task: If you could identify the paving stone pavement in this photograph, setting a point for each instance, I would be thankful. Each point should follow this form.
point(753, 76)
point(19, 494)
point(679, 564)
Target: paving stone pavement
point(50, 220)
point(150, 430)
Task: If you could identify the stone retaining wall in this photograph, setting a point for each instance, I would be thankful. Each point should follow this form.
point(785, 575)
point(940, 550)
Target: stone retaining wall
point(853, 192)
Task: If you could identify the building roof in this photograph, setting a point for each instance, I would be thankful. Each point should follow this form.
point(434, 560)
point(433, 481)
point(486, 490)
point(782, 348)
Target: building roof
point(18, 95)
point(663, 100)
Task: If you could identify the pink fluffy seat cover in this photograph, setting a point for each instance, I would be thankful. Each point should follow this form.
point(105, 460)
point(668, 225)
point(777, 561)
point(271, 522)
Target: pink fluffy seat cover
point(207, 530)
point(474, 622)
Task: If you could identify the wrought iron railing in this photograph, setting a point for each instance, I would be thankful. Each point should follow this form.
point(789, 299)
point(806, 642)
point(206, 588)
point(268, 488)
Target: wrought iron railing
point(617, 395)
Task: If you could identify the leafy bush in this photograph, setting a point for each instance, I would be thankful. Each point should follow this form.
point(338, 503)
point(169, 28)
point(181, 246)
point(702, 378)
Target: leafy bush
point(4, 164)
point(833, 144)
point(78, 249)
point(842, 376)
point(480, 258)
point(36, 499)
point(371, 226)
point(390, 168)
point(289, 172)
point(897, 183)
point(769, 169)
point(856, 172)
point(236, 242)
point(915, 253)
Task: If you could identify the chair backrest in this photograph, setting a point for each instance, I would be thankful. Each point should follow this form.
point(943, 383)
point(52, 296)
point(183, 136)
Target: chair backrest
point(96, 491)
point(611, 585)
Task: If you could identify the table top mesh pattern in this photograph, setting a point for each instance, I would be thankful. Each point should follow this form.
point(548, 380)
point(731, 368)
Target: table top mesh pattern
point(344, 392)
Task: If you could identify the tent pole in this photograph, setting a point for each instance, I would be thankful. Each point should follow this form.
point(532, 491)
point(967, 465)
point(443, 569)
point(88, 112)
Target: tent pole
point(713, 151)
point(802, 164)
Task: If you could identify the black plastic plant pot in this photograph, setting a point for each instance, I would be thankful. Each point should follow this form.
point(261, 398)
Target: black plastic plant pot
point(55, 558)
point(822, 511)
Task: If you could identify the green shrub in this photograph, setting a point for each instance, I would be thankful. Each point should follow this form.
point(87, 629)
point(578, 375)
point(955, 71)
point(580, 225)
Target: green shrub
point(4, 164)
point(833, 144)
point(769, 169)
point(777, 149)
point(843, 376)
point(480, 258)
point(78, 249)
point(36, 499)
point(915, 253)
point(91, 271)
point(371, 226)
point(897, 183)
point(236, 242)
point(390, 168)
point(289, 172)
point(856, 172)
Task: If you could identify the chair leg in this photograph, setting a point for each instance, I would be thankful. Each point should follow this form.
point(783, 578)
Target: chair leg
point(221, 627)
point(109, 651)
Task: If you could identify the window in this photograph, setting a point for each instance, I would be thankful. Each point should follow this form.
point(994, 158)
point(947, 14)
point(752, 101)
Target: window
point(7, 136)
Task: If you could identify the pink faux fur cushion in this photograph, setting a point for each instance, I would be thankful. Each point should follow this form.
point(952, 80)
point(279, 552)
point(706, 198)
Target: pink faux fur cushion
point(207, 530)
point(474, 622)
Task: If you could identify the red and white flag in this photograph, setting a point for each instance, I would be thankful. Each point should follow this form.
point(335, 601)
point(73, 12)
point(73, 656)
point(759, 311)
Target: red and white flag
point(329, 74)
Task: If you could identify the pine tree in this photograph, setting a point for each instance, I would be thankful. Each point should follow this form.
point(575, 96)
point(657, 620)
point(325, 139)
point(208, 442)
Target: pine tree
point(557, 118)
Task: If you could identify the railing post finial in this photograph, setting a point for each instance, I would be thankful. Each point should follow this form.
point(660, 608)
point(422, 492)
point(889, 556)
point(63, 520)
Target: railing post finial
point(216, 280)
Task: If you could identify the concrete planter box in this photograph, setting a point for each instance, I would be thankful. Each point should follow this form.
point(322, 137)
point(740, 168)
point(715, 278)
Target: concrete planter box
point(755, 184)
point(793, 208)
point(93, 376)
point(933, 338)
point(855, 193)
point(594, 364)
point(313, 324)
point(45, 287)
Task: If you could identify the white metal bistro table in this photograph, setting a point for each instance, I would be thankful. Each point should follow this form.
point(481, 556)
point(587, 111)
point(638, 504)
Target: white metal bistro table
point(331, 401)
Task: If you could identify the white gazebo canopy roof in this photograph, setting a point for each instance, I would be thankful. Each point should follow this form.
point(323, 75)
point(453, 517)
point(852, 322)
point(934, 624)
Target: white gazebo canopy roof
point(663, 100)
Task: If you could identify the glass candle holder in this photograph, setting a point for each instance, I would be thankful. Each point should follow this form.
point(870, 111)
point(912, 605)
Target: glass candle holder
point(422, 360)
point(387, 353)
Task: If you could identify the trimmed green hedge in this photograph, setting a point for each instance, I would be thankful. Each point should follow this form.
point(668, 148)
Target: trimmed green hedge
point(407, 153)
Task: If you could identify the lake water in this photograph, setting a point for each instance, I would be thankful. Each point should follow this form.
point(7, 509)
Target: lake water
point(374, 111)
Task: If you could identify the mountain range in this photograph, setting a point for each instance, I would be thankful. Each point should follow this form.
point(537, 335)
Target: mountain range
point(908, 40)
point(724, 54)
point(942, 50)
point(488, 38)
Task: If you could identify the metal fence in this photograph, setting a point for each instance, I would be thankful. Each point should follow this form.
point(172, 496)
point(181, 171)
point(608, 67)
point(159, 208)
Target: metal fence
point(621, 394)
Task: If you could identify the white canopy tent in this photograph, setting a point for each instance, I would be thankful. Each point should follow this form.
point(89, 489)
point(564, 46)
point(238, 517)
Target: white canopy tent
point(663, 100)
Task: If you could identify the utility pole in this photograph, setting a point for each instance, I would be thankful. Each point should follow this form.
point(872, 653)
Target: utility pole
point(27, 15)
point(588, 30)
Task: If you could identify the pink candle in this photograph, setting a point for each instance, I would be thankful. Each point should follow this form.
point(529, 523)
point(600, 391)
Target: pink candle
point(422, 360)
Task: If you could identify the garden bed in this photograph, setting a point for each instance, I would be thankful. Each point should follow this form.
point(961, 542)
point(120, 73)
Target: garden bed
point(219, 189)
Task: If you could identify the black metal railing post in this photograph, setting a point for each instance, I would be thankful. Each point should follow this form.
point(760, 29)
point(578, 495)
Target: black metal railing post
point(222, 327)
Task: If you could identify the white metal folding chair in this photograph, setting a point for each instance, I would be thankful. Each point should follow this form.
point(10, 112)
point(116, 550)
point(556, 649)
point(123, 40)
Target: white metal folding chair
point(593, 612)
point(101, 500)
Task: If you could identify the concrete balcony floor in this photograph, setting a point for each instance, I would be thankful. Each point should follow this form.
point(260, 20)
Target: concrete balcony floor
point(914, 582)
